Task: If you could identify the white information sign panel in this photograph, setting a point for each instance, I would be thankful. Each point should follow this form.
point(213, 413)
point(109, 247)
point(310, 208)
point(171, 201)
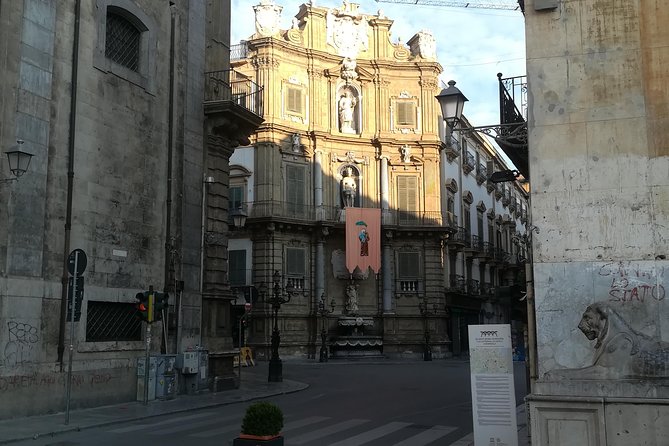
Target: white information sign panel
point(493, 394)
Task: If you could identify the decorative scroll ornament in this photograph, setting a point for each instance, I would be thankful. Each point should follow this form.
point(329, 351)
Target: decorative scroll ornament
point(347, 30)
point(268, 18)
point(424, 45)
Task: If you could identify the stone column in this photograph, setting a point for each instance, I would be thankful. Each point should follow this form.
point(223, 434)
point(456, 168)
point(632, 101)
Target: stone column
point(386, 268)
point(318, 184)
point(384, 188)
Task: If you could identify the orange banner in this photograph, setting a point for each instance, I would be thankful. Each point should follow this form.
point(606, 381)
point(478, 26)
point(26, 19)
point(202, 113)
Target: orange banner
point(363, 239)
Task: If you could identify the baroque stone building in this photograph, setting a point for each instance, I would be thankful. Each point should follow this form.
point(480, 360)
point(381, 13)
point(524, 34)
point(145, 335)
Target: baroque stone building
point(110, 97)
point(599, 145)
point(351, 121)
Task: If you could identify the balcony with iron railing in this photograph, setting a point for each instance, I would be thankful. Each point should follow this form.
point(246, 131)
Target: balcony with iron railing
point(468, 163)
point(239, 51)
point(451, 147)
point(232, 87)
point(481, 173)
point(461, 237)
point(334, 214)
point(457, 284)
point(513, 119)
point(487, 289)
point(473, 287)
point(477, 243)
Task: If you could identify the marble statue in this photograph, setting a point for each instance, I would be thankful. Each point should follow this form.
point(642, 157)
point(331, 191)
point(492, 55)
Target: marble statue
point(349, 188)
point(346, 106)
point(351, 299)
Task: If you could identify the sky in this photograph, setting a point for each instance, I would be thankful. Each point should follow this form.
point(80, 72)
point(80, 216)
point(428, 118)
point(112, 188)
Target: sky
point(473, 44)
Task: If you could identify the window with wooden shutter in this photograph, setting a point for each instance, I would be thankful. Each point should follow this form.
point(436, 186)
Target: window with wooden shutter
point(294, 100)
point(296, 268)
point(237, 267)
point(405, 113)
point(296, 186)
point(407, 198)
point(408, 271)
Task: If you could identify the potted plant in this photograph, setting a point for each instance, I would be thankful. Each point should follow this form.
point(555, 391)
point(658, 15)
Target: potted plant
point(261, 426)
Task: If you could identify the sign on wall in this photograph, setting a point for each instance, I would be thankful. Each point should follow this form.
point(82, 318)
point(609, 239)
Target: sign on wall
point(493, 394)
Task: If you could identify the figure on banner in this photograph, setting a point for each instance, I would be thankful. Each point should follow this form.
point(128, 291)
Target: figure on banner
point(363, 236)
point(348, 188)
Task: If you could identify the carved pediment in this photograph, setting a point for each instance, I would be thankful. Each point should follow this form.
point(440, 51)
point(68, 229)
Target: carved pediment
point(452, 185)
point(481, 207)
point(467, 197)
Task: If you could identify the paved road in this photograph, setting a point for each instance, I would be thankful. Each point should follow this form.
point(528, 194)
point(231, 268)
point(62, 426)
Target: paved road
point(346, 404)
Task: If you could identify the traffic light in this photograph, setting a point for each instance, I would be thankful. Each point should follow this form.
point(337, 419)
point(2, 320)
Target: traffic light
point(150, 305)
point(142, 306)
point(160, 303)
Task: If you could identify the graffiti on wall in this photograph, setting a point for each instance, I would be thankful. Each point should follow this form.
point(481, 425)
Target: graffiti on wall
point(22, 339)
point(629, 282)
point(38, 380)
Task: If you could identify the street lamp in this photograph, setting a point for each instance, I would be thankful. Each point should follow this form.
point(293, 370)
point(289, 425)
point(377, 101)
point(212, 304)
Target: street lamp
point(425, 312)
point(452, 102)
point(238, 218)
point(324, 312)
point(18, 161)
point(279, 297)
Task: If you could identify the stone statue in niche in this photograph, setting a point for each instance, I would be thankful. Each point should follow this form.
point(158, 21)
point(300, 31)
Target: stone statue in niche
point(351, 303)
point(620, 350)
point(295, 142)
point(346, 107)
point(349, 188)
point(405, 153)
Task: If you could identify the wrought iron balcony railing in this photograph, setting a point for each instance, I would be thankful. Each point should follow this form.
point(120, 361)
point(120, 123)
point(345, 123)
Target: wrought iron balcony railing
point(469, 163)
point(462, 236)
point(239, 51)
point(457, 283)
point(477, 243)
point(487, 289)
point(473, 287)
point(232, 86)
point(307, 213)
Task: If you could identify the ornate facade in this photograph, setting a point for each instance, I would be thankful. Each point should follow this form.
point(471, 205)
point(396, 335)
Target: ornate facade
point(351, 120)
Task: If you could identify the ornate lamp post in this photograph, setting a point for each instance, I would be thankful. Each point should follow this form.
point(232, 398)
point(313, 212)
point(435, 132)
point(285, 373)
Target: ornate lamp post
point(425, 312)
point(324, 312)
point(278, 297)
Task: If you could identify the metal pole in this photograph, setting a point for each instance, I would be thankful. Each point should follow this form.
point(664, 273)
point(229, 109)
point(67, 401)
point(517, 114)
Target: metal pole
point(69, 363)
point(146, 352)
point(146, 364)
point(240, 350)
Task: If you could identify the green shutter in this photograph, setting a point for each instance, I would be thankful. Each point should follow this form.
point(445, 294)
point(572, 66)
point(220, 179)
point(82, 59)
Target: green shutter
point(236, 197)
point(408, 265)
point(294, 100)
point(407, 199)
point(406, 113)
point(296, 185)
point(237, 267)
point(295, 262)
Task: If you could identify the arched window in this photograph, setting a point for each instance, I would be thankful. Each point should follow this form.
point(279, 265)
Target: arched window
point(126, 42)
point(122, 41)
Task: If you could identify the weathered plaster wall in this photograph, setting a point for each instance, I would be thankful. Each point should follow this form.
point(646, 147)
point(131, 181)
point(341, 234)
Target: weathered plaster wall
point(119, 195)
point(599, 160)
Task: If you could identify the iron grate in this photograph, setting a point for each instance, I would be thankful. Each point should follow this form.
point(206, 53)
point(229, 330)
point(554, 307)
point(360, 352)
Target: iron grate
point(112, 321)
point(122, 42)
